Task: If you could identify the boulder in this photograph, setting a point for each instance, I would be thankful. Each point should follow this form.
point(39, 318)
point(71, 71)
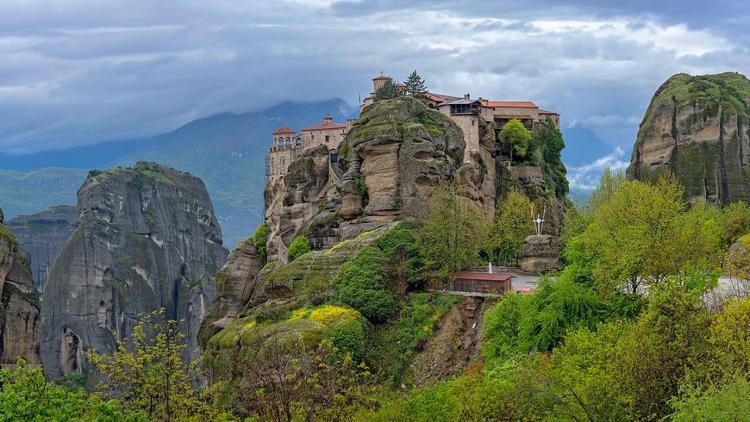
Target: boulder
point(540, 253)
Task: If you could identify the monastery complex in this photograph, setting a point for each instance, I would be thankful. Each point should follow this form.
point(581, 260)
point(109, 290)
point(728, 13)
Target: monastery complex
point(464, 111)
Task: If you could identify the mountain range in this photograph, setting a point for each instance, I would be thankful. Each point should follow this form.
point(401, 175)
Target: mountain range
point(227, 151)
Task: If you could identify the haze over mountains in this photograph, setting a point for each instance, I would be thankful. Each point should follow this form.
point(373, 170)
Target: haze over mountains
point(227, 151)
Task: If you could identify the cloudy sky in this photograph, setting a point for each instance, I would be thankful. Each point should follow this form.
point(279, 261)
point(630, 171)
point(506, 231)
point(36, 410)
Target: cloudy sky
point(77, 72)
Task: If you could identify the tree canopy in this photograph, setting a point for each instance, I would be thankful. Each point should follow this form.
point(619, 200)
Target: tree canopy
point(517, 136)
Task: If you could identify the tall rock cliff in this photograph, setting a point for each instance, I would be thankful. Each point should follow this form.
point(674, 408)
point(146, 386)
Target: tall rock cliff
point(697, 128)
point(386, 170)
point(42, 237)
point(19, 308)
point(146, 238)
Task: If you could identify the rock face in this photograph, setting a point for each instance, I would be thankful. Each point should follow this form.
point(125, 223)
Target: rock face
point(42, 237)
point(539, 253)
point(19, 307)
point(146, 238)
point(386, 169)
point(697, 128)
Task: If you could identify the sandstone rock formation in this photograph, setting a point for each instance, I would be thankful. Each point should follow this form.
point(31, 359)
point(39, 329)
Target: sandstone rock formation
point(697, 128)
point(42, 237)
point(146, 238)
point(387, 167)
point(19, 308)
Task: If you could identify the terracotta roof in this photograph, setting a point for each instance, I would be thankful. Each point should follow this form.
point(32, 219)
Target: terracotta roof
point(476, 275)
point(380, 78)
point(325, 126)
point(283, 129)
point(510, 104)
point(513, 116)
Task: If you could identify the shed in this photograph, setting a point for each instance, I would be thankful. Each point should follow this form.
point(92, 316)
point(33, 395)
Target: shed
point(482, 282)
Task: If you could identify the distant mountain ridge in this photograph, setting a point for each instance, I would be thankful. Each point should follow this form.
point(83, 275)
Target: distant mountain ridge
point(227, 151)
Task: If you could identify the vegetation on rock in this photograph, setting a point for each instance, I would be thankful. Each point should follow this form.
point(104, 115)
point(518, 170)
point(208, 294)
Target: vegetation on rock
point(300, 245)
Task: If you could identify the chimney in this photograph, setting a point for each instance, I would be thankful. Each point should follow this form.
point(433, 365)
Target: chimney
point(467, 96)
point(328, 119)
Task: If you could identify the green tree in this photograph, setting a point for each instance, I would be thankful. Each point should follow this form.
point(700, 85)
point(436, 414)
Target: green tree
point(151, 377)
point(517, 136)
point(415, 85)
point(300, 246)
point(512, 225)
point(388, 91)
point(452, 234)
point(360, 284)
point(644, 234)
point(609, 183)
point(260, 238)
point(25, 395)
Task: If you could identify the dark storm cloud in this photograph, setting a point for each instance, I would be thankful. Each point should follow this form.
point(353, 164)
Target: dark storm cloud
point(82, 71)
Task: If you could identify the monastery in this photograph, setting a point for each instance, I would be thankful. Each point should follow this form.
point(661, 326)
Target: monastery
point(464, 111)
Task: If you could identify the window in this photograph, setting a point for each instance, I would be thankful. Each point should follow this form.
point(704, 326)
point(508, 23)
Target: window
point(328, 138)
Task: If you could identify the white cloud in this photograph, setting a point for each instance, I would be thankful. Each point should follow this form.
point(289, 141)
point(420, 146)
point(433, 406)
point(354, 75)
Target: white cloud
point(79, 71)
point(586, 177)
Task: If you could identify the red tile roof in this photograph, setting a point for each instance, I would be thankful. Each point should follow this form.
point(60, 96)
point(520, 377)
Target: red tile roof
point(510, 104)
point(380, 78)
point(283, 130)
point(476, 275)
point(325, 126)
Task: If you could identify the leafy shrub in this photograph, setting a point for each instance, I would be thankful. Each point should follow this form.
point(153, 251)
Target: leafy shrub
point(260, 238)
point(348, 337)
point(300, 246)
point(359, 284)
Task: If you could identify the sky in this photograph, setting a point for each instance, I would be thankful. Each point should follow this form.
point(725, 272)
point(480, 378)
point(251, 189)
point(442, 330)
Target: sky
point(79, 72)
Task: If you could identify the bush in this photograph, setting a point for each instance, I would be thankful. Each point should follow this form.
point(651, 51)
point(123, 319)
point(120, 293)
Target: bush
point(348, 337)
point(300, 246)
point(359, 284)
point(260, 238)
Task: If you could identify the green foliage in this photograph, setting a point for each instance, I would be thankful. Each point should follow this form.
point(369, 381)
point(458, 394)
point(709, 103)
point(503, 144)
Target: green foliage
point(415, 85)
point(538, 322)
point(400, 247)
point(151, 377)
point(545, 146)
point(609, 183)
point(724, 402)
point(643, 234)
point(95, 172)
point(517, 136)
point(260, 239)
point(452, 233)
point(735, 221)
point(388, 91)
point(300, 246)
point(360, 284)
point(25, 395)
point(348, 337)
point(511, 227)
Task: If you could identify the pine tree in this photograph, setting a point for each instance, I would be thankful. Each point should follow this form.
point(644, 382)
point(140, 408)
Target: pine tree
point(388, 91)
point(415, 85)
